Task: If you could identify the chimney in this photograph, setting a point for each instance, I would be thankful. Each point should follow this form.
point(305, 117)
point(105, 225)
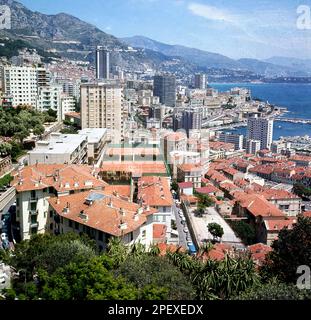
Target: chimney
point(123, 225)
point(122, 212)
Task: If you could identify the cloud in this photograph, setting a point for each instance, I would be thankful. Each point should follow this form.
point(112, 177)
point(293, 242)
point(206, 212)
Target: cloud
point(210, 13)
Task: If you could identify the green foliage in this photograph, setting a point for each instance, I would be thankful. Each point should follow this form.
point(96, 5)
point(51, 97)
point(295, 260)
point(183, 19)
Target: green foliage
point(50, 252)
point(147, 270)
point(204, 200)
point(274, 290)
point(174, 185)
point(244, 231)
point(215, 230)
point(85, 281)
point(5, 181)
point(301, 191)
point(17, 124)
point(291, 250)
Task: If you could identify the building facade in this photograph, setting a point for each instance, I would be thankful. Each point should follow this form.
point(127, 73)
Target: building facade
point(164, 87)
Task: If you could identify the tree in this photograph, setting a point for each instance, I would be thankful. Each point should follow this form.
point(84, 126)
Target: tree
point(215, 230)
point(174, 186)
point(38, 130)
point(301, 190)
point(274, 290)
point(291, 250)
point(21, 135)
point(5, 149)
point(51, 252)
point(156, 271)
point(244, 231)
point(85, 281)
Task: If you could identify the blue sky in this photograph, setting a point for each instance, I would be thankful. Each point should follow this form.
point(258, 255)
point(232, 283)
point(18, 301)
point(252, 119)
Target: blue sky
point(236, 28)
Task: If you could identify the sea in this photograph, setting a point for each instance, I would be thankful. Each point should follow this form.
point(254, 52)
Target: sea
point(295, 97)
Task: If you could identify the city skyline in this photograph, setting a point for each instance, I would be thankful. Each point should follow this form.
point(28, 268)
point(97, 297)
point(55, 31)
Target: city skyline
point(246, 31)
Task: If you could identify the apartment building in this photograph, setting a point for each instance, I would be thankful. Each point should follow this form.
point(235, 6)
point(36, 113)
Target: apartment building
point(96, 142)
point(155, 192)
point(35, 184)
point(260, 129)
point(60, 148)
point(236, 139)
point(22, 84)
point(102, 216)
point(68, 105)
point(50, 98)
point(101, 107)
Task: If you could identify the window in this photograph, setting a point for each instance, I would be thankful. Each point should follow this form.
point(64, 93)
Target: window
point(33, 206)
point(70, 223)
point(100, 236)
point(51, 214)
point(51, 226)
point(143, 234)
point(34, 230)
point(131, 236)
point(76, 225)
point(33, 194)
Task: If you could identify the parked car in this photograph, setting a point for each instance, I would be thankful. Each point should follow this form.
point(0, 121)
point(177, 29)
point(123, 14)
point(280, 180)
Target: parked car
point(186, 230)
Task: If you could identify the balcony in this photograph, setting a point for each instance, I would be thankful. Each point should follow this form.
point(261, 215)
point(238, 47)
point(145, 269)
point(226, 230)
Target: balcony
point(33, 199)
point(33, 212)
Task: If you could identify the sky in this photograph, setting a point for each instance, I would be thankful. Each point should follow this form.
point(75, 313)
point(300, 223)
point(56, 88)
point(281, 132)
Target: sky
point(236, 28)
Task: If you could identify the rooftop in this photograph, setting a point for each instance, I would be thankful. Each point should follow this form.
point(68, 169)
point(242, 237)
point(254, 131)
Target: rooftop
point(99, 211)
point(94, 135)
point(154, 191)
point(60, 176)
point(59, 144)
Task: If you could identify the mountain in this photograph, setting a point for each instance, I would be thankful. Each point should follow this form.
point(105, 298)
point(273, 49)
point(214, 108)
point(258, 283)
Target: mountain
point(213, 60)
point(271, 70)
point(201, 58)
point(73, 38)
point(299, 64)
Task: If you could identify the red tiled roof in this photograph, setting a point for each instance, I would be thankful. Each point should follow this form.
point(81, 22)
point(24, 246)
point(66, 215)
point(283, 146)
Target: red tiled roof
point(105, 214)
point(62, 177)
point(155, 191)
point(159, 231)
point(257, 205)
point(185, 185)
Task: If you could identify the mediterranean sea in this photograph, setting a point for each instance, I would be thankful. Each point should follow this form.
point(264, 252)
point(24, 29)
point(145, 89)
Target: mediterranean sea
point(295, 97)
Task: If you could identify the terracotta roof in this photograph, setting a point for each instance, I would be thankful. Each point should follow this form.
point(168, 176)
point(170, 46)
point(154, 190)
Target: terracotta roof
point(279, 224)
point(121, 190)
point(208, 189)
point(257, 205)
point(271, 194)
point(106, 214)
point(185, 185)
point(307, 214)
point(218, 252)
point(155, 167)
point(159, 231)
point(112, 151)
point(164, 248)
point(62, 177)
point(175, 136)
point(73, 114)
point(190, 167)
point(259, 252)
point(155, 191)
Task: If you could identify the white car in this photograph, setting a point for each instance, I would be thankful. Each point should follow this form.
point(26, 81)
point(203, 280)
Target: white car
point(186, 230)
point(189, 243)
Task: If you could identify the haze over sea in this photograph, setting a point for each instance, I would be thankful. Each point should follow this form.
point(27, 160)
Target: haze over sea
point(295, 97)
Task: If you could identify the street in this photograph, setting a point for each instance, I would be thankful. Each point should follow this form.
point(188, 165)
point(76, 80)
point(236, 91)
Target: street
point(180, 227)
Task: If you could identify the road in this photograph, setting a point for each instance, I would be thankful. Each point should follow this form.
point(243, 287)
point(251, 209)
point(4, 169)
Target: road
point(180, 227)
